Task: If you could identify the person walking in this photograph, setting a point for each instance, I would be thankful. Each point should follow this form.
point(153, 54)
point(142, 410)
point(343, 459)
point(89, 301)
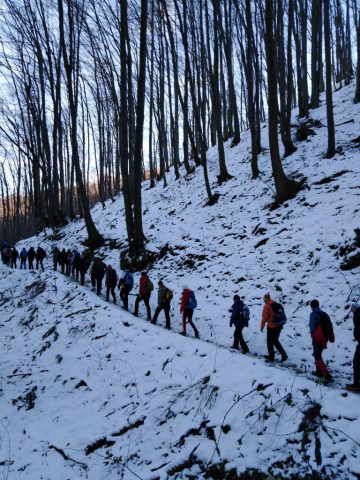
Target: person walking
point(145, 288)
point(74, 264)
point(164, 298)
point(240, 316)
point(187, 306)
point(62, 260)
point(319, 341)
point(82, 267)
point(55, 255)
point(31, 256)
point(23, 257)
point(355, 387)
point(111, 281)
point(98, 272)
point(126, 284)
point(40, 255)
point(273, 330)
point(68, 262)
point(14, 257)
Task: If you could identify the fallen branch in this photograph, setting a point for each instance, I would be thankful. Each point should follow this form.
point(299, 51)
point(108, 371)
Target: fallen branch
point(63, 454)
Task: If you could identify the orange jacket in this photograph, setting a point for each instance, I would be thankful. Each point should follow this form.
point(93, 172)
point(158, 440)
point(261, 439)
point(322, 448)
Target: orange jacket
point(267, 316)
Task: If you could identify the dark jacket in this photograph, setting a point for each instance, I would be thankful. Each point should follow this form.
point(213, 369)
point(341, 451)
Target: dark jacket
point(83, 265)
point(40, 253)
point(357, 325)
point(62, 257)
point(162, 295)
point(111, 277)
point(31, 254)
point(99, 270)
point(316, 331)
point(237, 318)
point(14, 253)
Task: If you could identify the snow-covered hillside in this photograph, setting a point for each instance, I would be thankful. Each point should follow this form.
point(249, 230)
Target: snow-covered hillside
point(89, 391)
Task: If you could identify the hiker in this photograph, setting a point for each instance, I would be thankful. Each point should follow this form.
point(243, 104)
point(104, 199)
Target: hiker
point(355, 387)
point(62, 260)
point(55, 255)
point(273, 330)
point(92, 273)
point(110, 282)
point(31, 256)
point(98, 273)
point(40, 255)
point(188, 303)
point(74, 262)
point(125, 286)
point(319, 341)
point(68, 261)
point(240, 315)
point(14, 257)
point(164, 298)
point(23, 257)
point(145, 288)
point(82, 267)
point(6, 255)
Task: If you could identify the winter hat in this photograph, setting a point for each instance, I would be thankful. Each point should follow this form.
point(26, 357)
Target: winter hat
point(184, 287)
point(160, 282)
point(143, 273)
point(354, 307)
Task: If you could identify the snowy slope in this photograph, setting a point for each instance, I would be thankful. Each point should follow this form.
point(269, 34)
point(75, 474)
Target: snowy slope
point(165, 406)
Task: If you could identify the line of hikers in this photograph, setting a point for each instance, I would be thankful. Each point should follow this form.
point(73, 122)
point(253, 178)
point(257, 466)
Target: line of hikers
point(10, 256)
point(273, 315)
point(321, 331)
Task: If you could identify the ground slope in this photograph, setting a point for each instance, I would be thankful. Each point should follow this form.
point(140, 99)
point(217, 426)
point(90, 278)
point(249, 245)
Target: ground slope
point(88, 391)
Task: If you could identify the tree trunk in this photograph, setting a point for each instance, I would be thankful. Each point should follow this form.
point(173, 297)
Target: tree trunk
point(329, 104)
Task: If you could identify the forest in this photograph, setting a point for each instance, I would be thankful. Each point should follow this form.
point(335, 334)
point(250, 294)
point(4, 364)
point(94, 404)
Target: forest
point(98, 97)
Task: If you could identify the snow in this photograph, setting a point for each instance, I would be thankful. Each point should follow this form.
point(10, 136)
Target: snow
point(162, 398)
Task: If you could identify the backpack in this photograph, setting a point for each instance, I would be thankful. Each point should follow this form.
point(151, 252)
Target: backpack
point(149, 287)
point(280, 317)
point(129, 280)
point(192, 302)
point(169, 295)
point(244, 315)
point(326, 326)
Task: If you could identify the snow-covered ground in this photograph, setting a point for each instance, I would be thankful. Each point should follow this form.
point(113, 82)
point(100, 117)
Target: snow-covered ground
point(89, 391)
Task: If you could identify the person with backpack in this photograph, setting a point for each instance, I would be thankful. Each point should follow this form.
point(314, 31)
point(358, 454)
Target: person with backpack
point(74, 264)
point(188, 304)
point(62, 260)
point(125, 286)
point(31, 256)
point(321, 332)
point(355, 387)
point(82, 266)
point(111, 281)
point(164, 299)
point(23, 257)
point(14, 257)
point(40, 255)
point(98, 273)
point(145, 288)
point(240, 315)
point(274, 317)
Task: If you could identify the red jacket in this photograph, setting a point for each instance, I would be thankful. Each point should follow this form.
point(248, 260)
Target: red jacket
point(142, 285)
point(319, 337)
point(267, 315)
point(185, 299)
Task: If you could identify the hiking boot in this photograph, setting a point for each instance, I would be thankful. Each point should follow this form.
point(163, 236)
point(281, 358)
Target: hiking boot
point(197, 335)
point(352, 387)
point(284, 358)
point(234, 347)
point(135, 314)
point(183, 334)
point(328, 378)
point(268, 358)
point(245, 351)
point(317, 374)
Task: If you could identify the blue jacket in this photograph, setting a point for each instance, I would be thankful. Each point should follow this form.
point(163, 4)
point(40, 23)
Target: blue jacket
point(236, 318)
point(23, 253)
point(314, 320)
